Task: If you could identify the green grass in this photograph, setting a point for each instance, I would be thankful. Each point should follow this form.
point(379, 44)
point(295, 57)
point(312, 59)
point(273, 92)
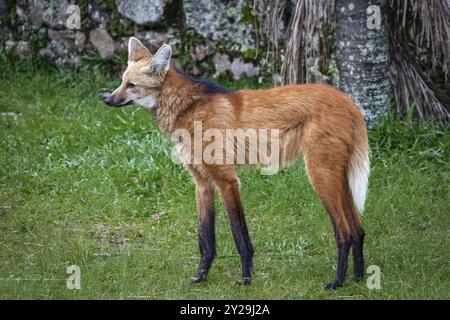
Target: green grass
point(84, 184)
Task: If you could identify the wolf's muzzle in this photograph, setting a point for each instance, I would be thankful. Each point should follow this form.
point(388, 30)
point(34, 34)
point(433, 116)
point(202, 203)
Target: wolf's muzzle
point(114, 102)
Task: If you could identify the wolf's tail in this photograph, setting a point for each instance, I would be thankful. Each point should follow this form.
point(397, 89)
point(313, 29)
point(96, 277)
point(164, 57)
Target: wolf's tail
point(359, 170)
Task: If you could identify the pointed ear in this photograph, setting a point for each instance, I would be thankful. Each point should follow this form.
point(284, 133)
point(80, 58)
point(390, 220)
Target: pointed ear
point(161, 60)
point(136, 50)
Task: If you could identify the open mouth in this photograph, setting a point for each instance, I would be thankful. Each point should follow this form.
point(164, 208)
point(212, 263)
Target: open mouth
point(123, 104)
point(113, 102)
point(127, 104)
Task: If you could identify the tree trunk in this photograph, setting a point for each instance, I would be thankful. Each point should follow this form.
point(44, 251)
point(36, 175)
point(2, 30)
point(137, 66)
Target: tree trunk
point(362, 55)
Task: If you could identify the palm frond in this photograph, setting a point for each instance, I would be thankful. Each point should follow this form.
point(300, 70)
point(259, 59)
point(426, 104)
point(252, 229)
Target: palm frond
point(411, 26)
point(270, 13)
point(306, 37)
point(419, 33)
point(432, 29)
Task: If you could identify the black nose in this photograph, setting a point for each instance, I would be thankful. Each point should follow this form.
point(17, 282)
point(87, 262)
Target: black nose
point(108, 100)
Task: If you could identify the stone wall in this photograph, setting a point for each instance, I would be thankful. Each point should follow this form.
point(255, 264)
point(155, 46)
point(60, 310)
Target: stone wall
point(211, 37)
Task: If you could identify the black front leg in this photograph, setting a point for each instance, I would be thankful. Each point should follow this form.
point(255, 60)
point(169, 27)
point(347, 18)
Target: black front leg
point(233, 206)
point(206, 229)
point(207, 245)
point(244, 247)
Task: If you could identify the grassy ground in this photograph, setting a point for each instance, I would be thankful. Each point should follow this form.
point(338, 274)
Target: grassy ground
point(84, 184)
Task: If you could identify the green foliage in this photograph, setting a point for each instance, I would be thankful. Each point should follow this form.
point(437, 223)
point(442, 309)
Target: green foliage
point(10, 19)
point(93, 61)
point(173, 14)
point(248, 17)
point(84, 184)
point(107, 4)
point(10, 63)
point(244, 83)
point(119, 27)
point(419, 143)
point(250, 54)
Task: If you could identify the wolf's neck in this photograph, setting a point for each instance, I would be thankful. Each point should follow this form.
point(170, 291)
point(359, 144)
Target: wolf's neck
point(180, 92)
point(177, 95)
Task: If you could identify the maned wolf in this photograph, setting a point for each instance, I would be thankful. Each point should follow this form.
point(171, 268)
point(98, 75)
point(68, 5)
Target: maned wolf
point(315, 121)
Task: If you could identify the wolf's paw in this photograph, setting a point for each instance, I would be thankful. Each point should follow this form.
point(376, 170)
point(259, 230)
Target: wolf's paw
point(198, 279)
point(357, 278)
point(245, 281)
point(332, 285)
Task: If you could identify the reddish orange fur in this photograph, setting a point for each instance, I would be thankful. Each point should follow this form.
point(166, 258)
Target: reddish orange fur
point(314, 120)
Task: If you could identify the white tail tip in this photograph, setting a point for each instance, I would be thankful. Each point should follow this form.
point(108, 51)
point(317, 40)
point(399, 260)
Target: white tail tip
point(358, 178)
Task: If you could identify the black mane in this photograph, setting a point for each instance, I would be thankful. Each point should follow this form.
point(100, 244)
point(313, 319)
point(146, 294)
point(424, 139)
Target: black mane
point(208, 86)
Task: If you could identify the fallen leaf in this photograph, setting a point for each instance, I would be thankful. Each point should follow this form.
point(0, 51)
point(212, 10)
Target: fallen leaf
point(158, 216)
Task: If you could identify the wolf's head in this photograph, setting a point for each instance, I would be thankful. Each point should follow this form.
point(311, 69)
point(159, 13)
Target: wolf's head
point(142, 80)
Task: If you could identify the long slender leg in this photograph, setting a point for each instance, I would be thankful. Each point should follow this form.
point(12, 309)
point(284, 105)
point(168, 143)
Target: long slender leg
point(358, 256)
point(233, 206)
point(206, 227)
point(329, 184)
point(342, 262)
point(357, 232)
point(343, 241)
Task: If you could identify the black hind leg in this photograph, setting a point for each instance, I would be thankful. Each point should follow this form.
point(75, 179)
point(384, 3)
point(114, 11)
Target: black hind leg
point(342, 263)
point(358, 256)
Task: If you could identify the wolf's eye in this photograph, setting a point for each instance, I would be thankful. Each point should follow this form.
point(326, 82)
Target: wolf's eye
point(130, 85)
